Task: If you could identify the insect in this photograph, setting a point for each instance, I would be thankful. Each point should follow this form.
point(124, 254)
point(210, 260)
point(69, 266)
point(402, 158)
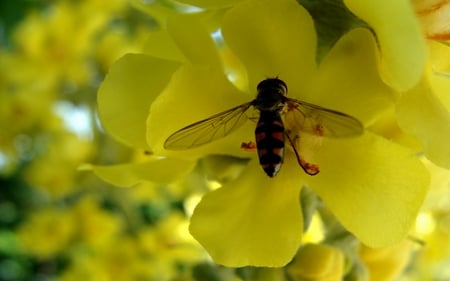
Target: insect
point(274, 108)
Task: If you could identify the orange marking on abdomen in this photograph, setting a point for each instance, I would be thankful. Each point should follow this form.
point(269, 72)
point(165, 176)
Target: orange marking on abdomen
point(260, 136)
point(262, 151)
point(278, 151)
point(278, 135)
point(277, 123)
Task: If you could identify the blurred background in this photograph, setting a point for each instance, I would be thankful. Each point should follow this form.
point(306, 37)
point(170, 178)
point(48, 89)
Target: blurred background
point(56, 222)
point(60, 223)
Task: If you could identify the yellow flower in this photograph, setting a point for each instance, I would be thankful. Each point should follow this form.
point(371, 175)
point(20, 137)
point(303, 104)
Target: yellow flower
point(211, 4)
point(50, 172)
point(169, 243)
point(24, 100)
point(85, 268)
point(433, 229)
point(386, 264)
point(46, 232)
point(149, 77)
point(123, 261)
point(423, 111)
point(315, 262)
point(434, 15)
point(402, 51)
point(368, 182)
point(113, 44)
point(136, 172)
point(96, 226)
point(61, 41)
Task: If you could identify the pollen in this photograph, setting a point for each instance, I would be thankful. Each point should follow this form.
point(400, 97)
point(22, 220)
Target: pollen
point(319, 130)
point(248, 146)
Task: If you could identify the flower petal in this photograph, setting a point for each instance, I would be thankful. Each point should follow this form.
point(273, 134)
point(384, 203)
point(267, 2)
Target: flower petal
point(433, 16)
point(440, 58)
point(255, 220)
point(315, 262)
point(373, 186)
point(273, 38)
point(160, 44)
point(348, 79)
point(421, 113)
point(389, 263)
point(174, 43)
point(208, 4)
point(157, 11)
point(125, 95)
point(196, 45)
point(196, 93)
point(399, 34)
point(157, 171)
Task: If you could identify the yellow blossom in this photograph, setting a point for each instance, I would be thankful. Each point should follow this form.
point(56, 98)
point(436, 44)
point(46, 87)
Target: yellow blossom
point(422, 110)
point(402, 46)
point(315, 262)
point(433, 16)
point(53, 174)
point(24, 100)
point(169, 241)
point(47, 232)
point(96, 226)
point(61, 41)
point(386, 264)
point(253, 220)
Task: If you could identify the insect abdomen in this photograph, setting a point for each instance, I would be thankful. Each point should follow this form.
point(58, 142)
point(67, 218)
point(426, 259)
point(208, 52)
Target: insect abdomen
point(269, 135)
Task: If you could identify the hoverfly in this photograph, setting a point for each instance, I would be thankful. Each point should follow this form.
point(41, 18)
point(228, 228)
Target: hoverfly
point(273, 106)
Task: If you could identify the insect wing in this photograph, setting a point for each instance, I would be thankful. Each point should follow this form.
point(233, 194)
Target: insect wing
point(208, 130)
point(320, 121)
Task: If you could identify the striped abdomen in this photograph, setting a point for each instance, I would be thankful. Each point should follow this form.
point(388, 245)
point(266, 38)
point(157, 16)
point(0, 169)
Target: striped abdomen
point(269, 135)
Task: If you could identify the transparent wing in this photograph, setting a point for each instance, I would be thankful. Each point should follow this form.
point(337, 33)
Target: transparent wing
point(208, 130)
point(320, 121)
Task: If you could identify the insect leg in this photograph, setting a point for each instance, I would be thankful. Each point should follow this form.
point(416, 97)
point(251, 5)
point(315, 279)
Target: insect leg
point(310, 169)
